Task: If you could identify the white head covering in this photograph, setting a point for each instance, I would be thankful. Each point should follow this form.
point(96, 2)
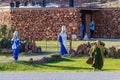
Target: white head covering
point(63, 28)
point(15, 33)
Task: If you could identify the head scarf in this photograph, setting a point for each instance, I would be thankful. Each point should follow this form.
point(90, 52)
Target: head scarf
point(101, 43)
point(15, 33)
point(63, 28)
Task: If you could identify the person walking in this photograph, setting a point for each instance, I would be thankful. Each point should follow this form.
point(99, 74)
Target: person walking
point(98, 53)
point(15, 41)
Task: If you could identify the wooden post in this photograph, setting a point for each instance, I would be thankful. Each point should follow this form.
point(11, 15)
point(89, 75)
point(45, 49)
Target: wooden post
point(70, 43)
point(46, 44)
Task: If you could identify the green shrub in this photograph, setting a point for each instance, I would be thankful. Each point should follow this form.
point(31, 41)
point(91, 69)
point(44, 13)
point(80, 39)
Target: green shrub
point(22, 46)
point(6, 32)
point(5, 43)
point(3, 30)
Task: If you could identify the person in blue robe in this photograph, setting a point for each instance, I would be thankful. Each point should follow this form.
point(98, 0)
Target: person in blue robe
point(15, 41)
point(82, 31)
point(92, 28)
point(62, 39)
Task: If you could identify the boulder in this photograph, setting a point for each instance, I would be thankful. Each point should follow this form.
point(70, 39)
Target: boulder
point(72, 53)
point(112, 52)
point(6, 51)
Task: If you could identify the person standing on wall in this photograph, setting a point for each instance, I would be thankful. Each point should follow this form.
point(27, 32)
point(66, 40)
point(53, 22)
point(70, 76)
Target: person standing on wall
point(92, 28)
point(26, 3)
point(62, 39)
point(43, 3)
point(17, 3)
point(12, 4)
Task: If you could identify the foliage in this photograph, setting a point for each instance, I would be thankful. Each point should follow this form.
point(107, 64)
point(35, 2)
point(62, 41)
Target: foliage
point(22, 45)
point(5, 36)
point(5, 43)
point(3, 29)
point(0, 49)
point(10, 31)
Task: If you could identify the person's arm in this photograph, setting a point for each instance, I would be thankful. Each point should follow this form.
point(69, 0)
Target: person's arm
point(12, 41)
point(92, 51)
point(59, 39)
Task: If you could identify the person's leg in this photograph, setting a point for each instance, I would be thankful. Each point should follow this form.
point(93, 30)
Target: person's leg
point(15, 54)
point(91, 31)
point(83, 34)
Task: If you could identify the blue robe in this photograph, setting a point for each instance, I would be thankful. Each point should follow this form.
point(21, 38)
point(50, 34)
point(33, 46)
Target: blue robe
point(63, 49)
point(83, 30)
point(15, 47)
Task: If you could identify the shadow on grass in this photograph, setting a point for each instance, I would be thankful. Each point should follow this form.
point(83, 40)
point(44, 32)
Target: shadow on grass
point(60, 67)
point(37, 54)
point(67, 67)
point(42, 65)
point(63, 60)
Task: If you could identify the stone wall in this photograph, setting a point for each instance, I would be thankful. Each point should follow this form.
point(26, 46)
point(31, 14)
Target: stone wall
point(107, 23)
point(5, 17)
point(45, 23)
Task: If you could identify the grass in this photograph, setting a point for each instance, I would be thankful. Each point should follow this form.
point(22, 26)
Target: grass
point(53, 46)
point(64, 65)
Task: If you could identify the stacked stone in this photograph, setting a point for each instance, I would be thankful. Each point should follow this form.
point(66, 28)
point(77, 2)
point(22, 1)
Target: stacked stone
point(5, 17)
point(45, 23)
point(55, 57)
point(107, 23)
